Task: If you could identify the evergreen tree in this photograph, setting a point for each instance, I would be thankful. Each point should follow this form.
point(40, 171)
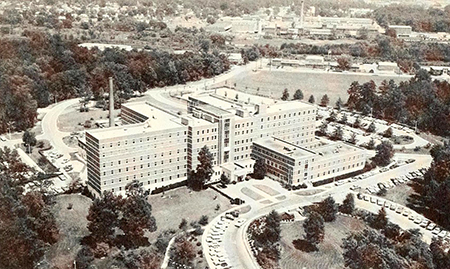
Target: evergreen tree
point(298, 95)
point(314, 228)
point(384, 153)
point(311, 99)
point(348, 205)
point(328, 209)
point(325, 100)
point(259, 169)
point(285, 95)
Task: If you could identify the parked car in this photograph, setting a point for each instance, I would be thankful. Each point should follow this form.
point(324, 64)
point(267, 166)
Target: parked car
point(431, 226)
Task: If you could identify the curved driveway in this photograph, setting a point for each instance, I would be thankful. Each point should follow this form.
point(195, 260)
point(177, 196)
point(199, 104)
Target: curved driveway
point(234, 242)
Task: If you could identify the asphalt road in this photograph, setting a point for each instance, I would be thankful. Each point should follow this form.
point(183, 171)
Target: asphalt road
point(234, 242)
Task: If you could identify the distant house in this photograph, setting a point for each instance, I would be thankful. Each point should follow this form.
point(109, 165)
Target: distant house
point(387, 66)
point(401, 30)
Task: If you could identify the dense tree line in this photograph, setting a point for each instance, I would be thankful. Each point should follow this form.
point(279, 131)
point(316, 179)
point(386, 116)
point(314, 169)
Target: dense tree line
point(27, 227)
point(419, 18)
point(384, 48)
point(433, 197)
point(39, 69)
point(418, 100)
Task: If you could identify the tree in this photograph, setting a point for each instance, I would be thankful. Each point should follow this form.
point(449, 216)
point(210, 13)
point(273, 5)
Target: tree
point(285, 95)
point(324, 101)
point(333, 116)
point(204, 170)
point(372, 128)
point(183, 225)
point(182, 253)
point(357, 123)
point(298, 95)
point(384, 153)
point(344, 63)
point(84, 258)
point(314, 228)
point(259, 169)
point(103, 218)
point(388, 133)
point(344, 119)
point(29, 138)
point(339, 104)
point(348, 205)
point(311, 99)
point(338, 133)
point(370, 249)
point(224, 180)
point(328, 209)
point(371, 144)
point(323, 128)
point(136, 217)
point(380, 220)
point(203, 220)
point(353, 139)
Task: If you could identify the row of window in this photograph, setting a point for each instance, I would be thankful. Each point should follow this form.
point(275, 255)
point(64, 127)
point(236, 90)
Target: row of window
point(289, 115)
point(133, 168)
point(137, 140)
point(148, 182)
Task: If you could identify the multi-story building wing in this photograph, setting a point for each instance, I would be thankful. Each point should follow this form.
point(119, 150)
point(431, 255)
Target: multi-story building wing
point(153, 152)
point(295, 165)
point(158, 147)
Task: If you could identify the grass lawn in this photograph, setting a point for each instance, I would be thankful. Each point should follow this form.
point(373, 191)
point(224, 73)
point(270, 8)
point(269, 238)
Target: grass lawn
point(70, 119)
point(330, 251)
point(309, 192)
point(399, 194)
point(72, 228)
point(335, 85)
point(255, 196)
point(180, 203)
point(267, 189)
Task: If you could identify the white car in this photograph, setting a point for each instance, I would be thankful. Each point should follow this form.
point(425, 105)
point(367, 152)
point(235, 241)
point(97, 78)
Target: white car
point(431, 226)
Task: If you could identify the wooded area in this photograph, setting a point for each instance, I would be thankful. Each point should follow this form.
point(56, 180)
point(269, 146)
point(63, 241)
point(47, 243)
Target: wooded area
point(39, 69)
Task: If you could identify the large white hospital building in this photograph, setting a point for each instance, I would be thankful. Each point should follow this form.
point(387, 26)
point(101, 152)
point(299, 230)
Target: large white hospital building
point(159, 147)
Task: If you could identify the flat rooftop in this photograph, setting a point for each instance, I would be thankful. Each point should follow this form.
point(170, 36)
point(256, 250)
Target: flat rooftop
point(157, 120)
point(282, 147)
point(225, 99)
point(335, 148)
point(294, 151)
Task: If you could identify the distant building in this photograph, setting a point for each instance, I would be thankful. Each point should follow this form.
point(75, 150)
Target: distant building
point(387, 66)
point(102, 47)
point(401, 30)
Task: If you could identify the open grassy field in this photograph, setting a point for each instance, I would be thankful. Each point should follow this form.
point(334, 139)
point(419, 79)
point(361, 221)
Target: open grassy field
point(180, 203)
point(335, 85)
point(70, 119)
point(330, 251)
point(72, 227)
point(399, 194)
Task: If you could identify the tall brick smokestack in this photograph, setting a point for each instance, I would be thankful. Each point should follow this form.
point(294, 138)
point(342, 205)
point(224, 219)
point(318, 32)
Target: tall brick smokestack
point(111, 103)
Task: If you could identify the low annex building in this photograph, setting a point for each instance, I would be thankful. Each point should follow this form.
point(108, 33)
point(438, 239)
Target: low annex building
point(159, 147)
point(295, 165)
